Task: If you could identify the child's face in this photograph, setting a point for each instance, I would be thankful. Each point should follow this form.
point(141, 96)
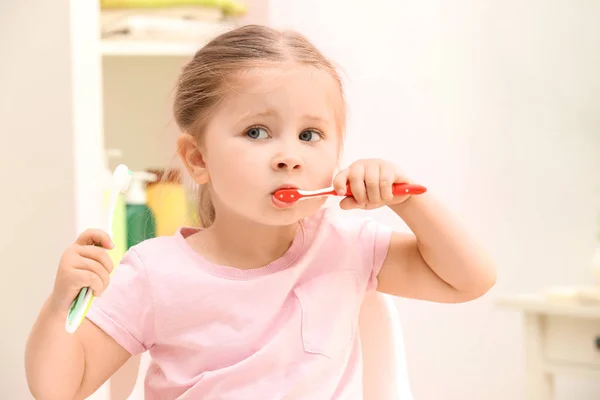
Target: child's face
point(276, 127)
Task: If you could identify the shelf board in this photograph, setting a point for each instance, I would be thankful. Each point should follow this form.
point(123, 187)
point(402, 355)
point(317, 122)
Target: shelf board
point(538, 303)
point(148, 48)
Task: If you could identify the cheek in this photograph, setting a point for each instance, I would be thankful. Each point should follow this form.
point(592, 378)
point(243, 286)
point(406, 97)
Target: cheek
point(234, 171)
point(226, 159)
point(323, 164)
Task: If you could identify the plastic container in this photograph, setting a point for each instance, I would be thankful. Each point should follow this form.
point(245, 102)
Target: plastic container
point(141, 224)
point(168, 201)
point(119, 228)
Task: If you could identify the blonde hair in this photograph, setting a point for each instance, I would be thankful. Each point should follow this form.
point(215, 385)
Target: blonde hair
point(203, 83)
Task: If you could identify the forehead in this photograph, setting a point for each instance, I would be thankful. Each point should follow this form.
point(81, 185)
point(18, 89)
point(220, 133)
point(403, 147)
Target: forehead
point(287, 89)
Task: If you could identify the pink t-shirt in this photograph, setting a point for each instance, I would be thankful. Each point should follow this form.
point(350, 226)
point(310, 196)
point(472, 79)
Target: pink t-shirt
point(286, 330)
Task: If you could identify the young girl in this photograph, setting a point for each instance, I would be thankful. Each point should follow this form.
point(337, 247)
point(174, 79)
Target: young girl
point(261, 302)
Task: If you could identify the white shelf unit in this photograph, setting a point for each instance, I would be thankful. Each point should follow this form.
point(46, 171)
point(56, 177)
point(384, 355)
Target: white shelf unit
point(153, 48)
point(138, 88)
point(138, 85)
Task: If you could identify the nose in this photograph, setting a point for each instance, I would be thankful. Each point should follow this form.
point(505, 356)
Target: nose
point(286, 162)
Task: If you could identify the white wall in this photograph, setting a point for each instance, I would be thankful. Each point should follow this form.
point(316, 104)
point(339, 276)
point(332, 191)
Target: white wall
point(36, 169)
point(493, 105)
point(40, 173)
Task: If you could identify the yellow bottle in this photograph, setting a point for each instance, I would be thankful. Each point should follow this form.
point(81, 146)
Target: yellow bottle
point(168, 201)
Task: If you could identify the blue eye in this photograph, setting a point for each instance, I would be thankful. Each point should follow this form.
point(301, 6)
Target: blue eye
point(257, 133)
point(310, 136)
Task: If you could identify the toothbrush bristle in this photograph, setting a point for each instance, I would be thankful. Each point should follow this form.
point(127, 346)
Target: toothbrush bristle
point(122, 178)
point(287, 195)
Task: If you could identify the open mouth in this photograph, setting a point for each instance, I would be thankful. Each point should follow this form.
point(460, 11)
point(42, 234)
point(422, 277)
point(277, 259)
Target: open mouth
point(282, 204)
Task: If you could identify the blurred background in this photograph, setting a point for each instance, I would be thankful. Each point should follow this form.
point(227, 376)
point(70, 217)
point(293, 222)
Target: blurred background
point(494, 105)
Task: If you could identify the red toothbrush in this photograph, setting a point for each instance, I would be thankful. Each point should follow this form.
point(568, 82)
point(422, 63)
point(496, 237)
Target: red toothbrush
point(292, 195)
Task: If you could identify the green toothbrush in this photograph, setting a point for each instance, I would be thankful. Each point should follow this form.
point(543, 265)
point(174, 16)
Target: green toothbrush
point(82, 303)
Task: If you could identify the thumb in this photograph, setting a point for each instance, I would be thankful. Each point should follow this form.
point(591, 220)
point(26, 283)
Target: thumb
point(349, 203)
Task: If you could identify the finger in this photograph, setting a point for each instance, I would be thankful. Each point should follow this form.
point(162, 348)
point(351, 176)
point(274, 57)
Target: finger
point(340, 181)
point(349, 203)
point(97, 285)
point(356, 178)
point(98, 254)
point(387, 176)
point(372, 184)
point(89, 279)
point(94, 266)
point(95, 237)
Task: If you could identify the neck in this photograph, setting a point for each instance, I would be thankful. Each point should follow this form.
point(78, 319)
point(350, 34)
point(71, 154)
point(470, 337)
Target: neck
point(243, 243)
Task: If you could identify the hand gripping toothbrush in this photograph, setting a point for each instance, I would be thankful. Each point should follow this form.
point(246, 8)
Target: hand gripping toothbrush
point(80, 306)
point(292, 195)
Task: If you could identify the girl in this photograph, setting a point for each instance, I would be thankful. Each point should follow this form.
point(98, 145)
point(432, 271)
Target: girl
point(261, 302)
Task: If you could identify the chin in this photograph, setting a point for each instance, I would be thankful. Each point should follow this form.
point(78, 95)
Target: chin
point(288, 216)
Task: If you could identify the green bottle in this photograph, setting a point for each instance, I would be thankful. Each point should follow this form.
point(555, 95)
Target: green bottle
point(141, 224)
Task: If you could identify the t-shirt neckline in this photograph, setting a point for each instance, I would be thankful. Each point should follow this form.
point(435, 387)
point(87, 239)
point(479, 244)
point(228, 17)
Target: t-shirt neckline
point(225, 271)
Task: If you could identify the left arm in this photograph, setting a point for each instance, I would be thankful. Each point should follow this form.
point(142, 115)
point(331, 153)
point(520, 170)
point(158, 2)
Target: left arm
point(440, 262)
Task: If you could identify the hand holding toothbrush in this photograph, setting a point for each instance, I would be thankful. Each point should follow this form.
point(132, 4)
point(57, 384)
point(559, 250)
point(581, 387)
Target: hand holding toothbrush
point(373, 183)
point(85, 263)
point(92, 260)
point(367, 184)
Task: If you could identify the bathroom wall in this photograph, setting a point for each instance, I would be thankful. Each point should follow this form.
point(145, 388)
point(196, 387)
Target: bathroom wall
point(37, 159)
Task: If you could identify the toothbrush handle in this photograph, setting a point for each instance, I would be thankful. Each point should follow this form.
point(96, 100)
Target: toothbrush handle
point(401, 189)
point(79, 308)
point(398, 189)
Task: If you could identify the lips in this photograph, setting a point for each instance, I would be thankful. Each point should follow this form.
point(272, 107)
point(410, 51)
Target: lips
point(285, 186)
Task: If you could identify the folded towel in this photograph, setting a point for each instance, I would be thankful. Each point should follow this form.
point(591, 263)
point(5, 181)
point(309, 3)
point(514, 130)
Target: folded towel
point(229, 7)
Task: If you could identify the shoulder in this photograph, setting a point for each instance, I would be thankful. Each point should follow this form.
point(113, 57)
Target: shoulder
point(158, 248)
point(354, 233)
point(154, 257)
point(350, 224)
point(350, 240)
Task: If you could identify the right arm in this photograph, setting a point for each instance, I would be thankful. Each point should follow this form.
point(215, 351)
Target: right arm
point(60, 365)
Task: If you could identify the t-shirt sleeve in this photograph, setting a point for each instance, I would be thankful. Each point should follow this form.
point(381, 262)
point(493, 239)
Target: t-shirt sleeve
point(364, 239)
point(374, 239)
point(124, 311)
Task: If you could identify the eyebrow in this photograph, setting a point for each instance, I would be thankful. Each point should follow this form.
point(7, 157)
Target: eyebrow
point(270, 112)
point(315, 118)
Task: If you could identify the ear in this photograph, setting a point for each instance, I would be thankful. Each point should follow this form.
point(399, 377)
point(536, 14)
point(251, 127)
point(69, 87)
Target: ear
point(191, 155)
